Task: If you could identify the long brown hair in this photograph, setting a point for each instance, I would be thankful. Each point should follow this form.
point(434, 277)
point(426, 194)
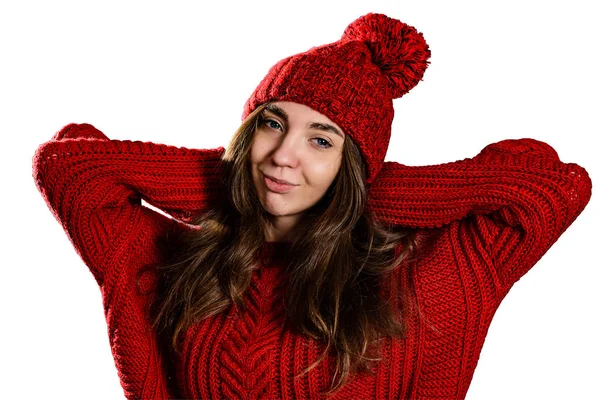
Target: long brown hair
point(339, 259)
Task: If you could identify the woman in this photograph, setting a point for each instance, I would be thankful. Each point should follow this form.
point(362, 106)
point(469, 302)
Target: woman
point(359, 279)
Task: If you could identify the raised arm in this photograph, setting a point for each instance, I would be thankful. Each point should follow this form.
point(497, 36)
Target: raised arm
point(94, 186)
point(520, 197)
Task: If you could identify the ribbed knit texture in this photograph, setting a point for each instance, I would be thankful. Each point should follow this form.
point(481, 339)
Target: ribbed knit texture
point(495, 215)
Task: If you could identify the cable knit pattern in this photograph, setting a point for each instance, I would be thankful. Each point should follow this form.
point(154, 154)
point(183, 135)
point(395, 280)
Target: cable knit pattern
point(494, 216)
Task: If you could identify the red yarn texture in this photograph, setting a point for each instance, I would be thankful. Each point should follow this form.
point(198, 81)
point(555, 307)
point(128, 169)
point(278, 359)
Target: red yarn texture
point(494, 215)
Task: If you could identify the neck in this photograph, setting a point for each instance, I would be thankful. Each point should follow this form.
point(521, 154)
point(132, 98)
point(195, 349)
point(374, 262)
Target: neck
point(281, 229)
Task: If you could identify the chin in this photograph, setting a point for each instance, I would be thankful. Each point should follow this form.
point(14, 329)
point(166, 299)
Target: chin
point(277, 211)
point(278, 208)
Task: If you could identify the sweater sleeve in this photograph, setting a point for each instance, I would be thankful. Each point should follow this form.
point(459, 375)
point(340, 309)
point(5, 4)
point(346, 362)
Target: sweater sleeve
point(518, 194)
point(94, 186)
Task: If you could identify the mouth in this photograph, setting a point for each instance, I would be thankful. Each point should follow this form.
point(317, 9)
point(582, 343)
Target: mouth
point(277, 187)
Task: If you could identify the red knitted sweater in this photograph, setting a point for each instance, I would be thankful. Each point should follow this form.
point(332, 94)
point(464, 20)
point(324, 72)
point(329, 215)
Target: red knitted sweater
point(495, 214)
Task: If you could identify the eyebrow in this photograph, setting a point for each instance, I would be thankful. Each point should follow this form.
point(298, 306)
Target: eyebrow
point(313, 125)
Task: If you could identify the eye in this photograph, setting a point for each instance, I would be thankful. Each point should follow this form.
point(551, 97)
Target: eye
point(268, 120)
point(325, 143)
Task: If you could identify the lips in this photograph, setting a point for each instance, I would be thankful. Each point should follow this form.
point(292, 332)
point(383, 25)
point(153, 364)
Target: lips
point(277, 187)
point(279, 180)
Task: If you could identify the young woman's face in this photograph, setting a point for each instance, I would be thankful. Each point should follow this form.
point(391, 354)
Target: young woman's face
point(297, 144)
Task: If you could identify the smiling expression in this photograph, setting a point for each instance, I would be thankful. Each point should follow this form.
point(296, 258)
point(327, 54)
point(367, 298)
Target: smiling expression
point(299, 145)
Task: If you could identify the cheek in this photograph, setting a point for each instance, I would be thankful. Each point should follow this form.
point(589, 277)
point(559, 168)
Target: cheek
point(258, 155)
point(320, 175)
point(258, 150)
point(255, 155)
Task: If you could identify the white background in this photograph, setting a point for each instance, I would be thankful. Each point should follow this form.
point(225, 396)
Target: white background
point(180, 73)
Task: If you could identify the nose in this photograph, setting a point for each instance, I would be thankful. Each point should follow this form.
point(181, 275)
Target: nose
point(286, 151)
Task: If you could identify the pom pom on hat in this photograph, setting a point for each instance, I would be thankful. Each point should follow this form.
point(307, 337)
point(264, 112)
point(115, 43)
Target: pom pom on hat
point(398, 49)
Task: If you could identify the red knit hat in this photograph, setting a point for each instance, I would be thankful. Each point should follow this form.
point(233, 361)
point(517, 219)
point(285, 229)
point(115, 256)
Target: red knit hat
point(353, 81)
